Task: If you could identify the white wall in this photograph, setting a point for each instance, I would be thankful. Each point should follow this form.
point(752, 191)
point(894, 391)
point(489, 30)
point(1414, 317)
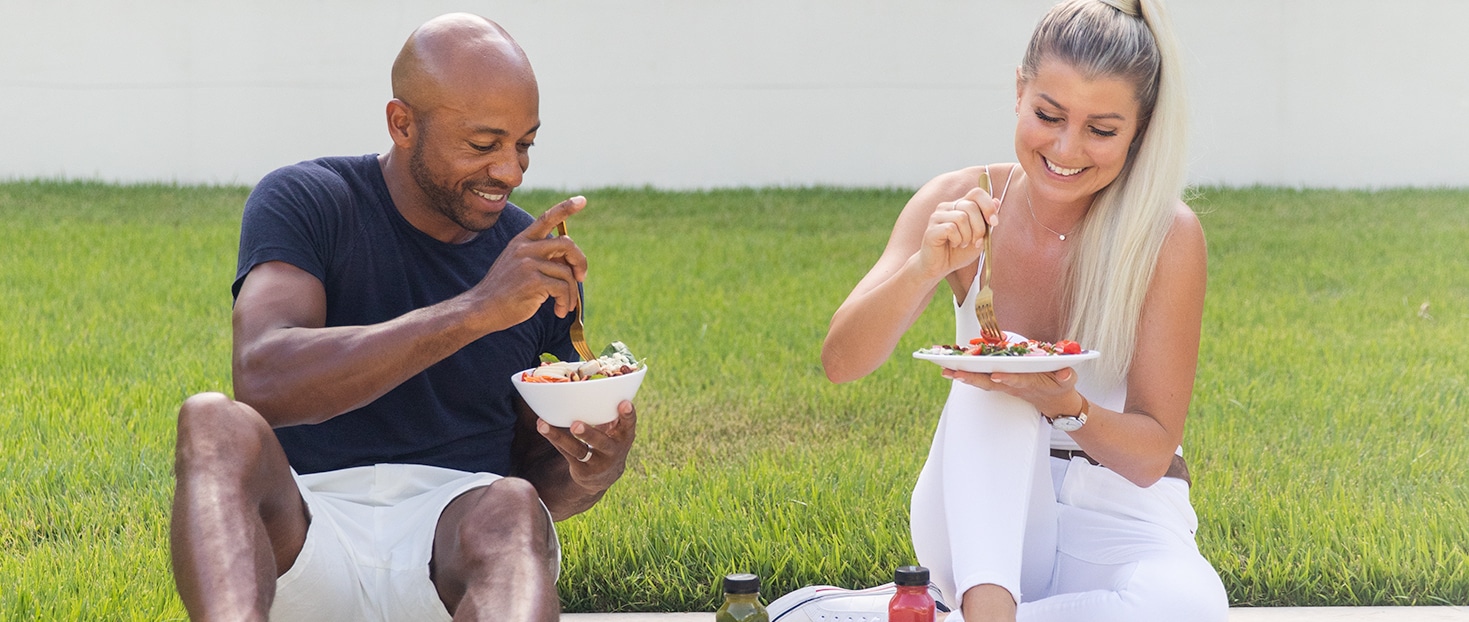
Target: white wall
point(706, 93)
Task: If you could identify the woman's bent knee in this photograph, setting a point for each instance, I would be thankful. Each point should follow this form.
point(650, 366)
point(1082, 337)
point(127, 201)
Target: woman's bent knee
point(1182, 588)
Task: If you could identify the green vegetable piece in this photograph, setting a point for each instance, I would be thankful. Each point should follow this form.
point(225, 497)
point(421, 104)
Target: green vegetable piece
point(547, 357)
point(617, 347)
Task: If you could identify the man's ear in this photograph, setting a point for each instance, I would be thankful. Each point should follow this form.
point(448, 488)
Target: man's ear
point(401, 124)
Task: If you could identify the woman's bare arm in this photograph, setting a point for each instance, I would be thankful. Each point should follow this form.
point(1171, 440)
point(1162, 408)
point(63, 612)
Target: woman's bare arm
point(930, 240)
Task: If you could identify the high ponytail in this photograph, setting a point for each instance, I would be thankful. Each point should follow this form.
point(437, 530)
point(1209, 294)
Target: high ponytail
point(1120, 237)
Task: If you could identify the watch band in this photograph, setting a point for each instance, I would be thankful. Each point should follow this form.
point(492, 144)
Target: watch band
point(1086, 407)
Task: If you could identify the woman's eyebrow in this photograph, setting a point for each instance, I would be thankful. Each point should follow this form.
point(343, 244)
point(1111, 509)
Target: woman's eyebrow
point(1107, 115)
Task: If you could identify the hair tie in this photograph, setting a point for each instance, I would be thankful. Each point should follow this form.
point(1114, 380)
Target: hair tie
point(1129, 7)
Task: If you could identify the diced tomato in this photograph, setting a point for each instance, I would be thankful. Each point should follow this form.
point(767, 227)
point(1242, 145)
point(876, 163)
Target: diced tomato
point(1067, 346)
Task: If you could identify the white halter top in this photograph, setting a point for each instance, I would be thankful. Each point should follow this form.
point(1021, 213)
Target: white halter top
point(966, 327)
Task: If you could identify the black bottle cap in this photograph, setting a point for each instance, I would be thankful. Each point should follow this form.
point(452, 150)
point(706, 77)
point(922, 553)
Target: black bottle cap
point(741, 584)
point(911, 575)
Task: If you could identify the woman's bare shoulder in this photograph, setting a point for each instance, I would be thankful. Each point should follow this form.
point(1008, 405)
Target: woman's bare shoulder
point(1184, 247)
point(1186, 230)
point(954, 184)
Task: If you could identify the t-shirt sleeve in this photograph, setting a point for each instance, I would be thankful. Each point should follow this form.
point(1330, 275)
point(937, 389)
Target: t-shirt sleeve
point(286, 219)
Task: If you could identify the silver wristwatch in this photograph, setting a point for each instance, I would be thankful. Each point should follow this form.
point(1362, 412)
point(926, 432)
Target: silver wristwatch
point(1072, 423)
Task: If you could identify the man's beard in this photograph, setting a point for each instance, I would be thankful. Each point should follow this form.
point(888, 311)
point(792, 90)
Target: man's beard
point(443, 199)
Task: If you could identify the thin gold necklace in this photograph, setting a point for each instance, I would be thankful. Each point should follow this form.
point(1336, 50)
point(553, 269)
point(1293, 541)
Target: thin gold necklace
point(1038, 221)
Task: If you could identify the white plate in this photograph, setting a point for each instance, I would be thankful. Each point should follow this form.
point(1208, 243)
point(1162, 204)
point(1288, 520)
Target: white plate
point(1007, 364)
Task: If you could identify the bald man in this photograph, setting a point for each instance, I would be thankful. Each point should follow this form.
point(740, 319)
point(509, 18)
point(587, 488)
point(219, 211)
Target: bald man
point(376, 463)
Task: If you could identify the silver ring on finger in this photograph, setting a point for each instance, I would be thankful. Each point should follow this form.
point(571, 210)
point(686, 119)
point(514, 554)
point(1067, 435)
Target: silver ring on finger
point(587, 457)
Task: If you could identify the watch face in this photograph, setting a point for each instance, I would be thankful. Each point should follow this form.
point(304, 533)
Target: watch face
point(1069, 424)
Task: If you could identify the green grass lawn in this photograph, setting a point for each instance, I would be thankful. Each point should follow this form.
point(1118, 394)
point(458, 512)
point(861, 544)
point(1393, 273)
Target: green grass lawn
point(1327, 439)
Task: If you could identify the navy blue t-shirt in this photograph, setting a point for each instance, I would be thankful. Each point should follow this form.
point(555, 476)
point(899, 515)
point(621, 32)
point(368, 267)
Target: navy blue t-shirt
point(334, 218)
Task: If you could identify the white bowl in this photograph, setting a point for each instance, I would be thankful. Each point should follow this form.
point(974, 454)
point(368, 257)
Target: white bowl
point(593, 402)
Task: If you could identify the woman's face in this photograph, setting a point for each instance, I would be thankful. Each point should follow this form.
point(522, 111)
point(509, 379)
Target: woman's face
point(1073, 133)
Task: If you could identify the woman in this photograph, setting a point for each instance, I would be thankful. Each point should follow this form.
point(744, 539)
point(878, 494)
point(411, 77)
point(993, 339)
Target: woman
point(1096, 246)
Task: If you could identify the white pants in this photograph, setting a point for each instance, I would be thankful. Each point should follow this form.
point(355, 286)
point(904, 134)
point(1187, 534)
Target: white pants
point(1071, 541)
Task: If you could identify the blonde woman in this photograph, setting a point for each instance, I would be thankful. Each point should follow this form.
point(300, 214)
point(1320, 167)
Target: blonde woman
point(1061, 495)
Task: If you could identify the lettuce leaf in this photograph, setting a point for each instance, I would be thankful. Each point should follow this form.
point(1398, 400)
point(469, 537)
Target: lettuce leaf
point(617, 347)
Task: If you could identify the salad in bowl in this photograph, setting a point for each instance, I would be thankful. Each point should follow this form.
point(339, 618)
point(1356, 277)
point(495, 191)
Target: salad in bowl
point(615, 360)
point(564, 392)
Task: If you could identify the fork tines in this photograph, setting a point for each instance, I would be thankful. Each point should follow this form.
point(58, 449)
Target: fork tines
point(984, 310)
point(578, 340)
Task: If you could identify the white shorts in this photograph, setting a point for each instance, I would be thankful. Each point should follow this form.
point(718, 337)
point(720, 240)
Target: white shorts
point(368, 548)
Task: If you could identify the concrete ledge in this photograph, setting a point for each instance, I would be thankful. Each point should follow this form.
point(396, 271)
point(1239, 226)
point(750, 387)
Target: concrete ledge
point(1237, 614)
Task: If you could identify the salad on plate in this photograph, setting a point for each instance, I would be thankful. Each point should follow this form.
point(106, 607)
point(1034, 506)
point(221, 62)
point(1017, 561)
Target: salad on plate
point(1013, 355)
point(986, 347)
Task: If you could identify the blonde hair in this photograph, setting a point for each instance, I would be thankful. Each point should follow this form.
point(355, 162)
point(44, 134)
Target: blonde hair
point(1119, 239)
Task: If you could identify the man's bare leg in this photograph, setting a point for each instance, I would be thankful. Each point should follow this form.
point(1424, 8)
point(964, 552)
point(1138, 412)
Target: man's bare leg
point(988, 603)
point(493, 555)
point(238, 518)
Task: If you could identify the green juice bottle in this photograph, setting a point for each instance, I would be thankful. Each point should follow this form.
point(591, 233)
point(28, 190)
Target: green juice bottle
point(741, 600)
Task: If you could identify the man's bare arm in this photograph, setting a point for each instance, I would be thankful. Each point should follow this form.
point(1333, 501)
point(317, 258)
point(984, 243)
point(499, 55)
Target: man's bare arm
point(293, 370)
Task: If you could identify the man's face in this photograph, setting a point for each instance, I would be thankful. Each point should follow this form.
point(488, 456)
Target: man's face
point(473, 150)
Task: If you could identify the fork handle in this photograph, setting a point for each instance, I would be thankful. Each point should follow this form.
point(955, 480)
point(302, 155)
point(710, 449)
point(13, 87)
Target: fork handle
point(984, 184)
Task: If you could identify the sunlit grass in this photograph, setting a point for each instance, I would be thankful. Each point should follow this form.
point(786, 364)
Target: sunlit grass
point(1326, 438)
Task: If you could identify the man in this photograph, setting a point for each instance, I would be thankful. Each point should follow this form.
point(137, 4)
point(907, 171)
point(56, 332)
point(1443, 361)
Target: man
point(381, 305)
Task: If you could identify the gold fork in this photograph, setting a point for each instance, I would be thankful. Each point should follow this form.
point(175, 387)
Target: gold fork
point(578, 338)
point(984, 301)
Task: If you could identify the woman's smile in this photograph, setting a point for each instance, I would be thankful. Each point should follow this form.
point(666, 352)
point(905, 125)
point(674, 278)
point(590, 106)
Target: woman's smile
point(1064, 172)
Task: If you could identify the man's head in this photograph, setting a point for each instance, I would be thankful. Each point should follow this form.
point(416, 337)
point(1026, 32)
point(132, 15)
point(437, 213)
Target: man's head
point(465, 112)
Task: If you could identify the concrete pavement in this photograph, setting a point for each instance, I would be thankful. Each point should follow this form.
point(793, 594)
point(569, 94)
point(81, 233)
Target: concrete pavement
point(1238, 614)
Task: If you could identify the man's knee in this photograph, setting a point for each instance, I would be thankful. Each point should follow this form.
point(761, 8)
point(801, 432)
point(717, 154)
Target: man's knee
point(215, 430)
point(507, 513)
point(491, 534)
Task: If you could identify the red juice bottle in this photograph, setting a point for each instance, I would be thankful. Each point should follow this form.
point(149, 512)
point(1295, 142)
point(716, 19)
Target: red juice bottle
point(912, 603)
